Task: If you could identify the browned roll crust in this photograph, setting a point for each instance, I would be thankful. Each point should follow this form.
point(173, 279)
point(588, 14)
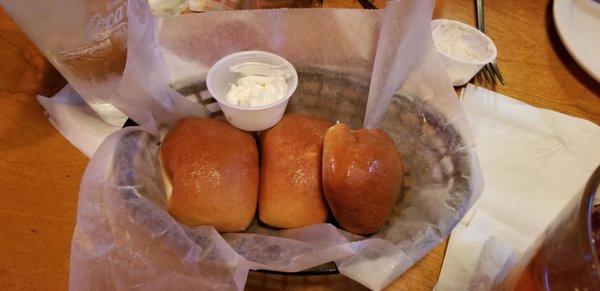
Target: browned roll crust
point(213, 169)
point(291, 194)
point(362, 175)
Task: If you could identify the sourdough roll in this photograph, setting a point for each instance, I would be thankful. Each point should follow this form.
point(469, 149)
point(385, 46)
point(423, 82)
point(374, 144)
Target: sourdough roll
point(362, 175)
point(291, 194)
point(213, 171)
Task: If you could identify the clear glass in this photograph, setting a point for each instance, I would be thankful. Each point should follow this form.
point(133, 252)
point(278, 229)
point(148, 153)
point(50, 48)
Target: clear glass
point(84, 39)
point(566, 258)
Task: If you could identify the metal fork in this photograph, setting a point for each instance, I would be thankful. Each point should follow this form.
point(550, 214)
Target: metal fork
point(490, 72)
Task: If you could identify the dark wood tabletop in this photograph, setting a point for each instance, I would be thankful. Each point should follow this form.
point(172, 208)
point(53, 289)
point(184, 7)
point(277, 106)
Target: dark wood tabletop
point(40, 171)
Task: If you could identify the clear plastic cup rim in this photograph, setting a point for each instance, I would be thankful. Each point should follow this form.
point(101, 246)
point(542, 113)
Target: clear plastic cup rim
point(473, 29)
point(284, 62)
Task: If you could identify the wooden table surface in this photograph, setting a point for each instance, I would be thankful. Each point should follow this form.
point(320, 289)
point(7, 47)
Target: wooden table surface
point(40, 171)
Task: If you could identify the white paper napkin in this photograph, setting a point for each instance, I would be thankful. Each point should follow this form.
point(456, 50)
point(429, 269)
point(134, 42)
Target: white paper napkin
point(533, 161)
point(75, 120)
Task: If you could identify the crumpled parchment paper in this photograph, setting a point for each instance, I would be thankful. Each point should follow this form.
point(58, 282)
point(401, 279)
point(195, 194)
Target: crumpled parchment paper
point(366, 68)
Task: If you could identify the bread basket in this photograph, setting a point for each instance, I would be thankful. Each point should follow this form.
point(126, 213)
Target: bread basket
point(439, 164)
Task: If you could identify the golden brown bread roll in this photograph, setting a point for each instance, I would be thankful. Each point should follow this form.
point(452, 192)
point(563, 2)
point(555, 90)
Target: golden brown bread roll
point(362, 175)
point(291, 194)
point(213, 169)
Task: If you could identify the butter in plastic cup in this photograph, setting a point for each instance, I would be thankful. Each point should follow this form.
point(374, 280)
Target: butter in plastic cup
point(219, 80)
point(461, 70)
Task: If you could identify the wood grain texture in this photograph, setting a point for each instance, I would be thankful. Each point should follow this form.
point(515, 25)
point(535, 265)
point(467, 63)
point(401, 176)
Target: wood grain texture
point(40, 171)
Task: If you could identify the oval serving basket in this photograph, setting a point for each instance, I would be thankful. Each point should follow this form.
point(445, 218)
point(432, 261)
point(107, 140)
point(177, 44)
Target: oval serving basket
point(434, 152)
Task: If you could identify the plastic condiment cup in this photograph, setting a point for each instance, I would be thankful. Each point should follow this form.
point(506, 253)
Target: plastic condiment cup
point(460, 71)
point(219, 80)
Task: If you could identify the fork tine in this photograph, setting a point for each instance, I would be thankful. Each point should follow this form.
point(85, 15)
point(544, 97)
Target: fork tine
point(478, 77)
point(497, 72)
point(491, 72)
point(482, 77)
point(486, 74)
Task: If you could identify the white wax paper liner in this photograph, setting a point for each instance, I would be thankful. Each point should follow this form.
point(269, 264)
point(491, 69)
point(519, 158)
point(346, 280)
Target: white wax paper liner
point(125, 239)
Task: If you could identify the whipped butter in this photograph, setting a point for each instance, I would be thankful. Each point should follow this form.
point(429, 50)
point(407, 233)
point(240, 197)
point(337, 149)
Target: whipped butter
point(260, 84)
point(461, 42)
